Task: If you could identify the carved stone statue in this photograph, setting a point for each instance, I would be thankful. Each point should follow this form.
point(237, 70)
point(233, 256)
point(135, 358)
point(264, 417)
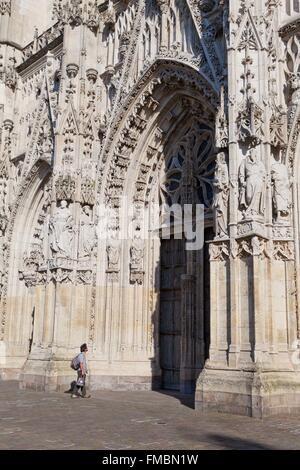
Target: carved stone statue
point(294, 81)
point(45, 141)
point(113, 256)
point(252, 177)
point(221, 196)
point(137, 254)
point(88, 234)
point(281, 190)
point(61, 231)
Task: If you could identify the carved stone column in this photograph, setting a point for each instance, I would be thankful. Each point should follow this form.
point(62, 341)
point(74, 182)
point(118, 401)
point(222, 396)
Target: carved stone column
point(253, 303)
point(219, 258)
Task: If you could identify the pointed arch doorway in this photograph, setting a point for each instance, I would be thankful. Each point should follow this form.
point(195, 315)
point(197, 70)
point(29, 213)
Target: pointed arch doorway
point(186, 179)
point(159, 332)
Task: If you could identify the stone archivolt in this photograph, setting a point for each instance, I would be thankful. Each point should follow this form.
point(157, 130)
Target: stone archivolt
point(161, 101)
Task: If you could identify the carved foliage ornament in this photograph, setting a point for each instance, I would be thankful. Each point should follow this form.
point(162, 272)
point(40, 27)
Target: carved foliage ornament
point(65, 187)
point(77, 12)
point(253, 247)
point(219, 251)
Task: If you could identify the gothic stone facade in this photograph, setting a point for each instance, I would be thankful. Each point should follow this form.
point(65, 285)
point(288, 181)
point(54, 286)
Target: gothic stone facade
point(177, 101)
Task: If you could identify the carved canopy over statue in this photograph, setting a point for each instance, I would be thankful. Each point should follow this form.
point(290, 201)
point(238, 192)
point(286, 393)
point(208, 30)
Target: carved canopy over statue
point(61, 231)
point(252, 177)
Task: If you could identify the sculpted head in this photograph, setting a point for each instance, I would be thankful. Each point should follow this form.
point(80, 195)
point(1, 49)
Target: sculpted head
point(87, 210)
point(63, 204)
point(221, 157)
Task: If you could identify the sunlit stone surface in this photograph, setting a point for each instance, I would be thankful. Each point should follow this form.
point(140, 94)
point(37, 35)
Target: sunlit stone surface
point(108, 110)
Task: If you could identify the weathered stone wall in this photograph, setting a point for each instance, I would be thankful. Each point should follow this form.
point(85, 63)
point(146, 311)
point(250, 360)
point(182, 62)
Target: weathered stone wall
point(155, 101)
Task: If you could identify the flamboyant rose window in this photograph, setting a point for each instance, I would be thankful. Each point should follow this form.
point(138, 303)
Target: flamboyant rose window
point(190, 162)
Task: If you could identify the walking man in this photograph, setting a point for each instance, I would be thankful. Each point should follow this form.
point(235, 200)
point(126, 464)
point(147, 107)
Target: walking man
point(81, 373)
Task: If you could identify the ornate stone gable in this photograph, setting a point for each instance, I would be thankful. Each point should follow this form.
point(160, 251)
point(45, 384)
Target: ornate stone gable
point(186, 40)
point(41, 146)
point(76, 13)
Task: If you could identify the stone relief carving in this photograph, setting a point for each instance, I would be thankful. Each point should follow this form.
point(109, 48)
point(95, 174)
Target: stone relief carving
point(65, 186)
point(88, 190)
point(252, 177)
point(46, 141)
point(61, 231)
point(219, 251)
point(72, 72)
point(113, 256)
point(77, 13)
point(84, 277)
point(6, 140)
point(283, 251)
point(137, 252)
point(221, 196)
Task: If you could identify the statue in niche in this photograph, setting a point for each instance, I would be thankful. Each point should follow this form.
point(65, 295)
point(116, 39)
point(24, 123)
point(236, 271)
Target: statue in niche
point(45, 141)
point(61, 231)
point(281, 191)
point(221, 196)
point(88, 234)
point(137, 254)
point(252, 177)
point(113, 256)
point(17, 173)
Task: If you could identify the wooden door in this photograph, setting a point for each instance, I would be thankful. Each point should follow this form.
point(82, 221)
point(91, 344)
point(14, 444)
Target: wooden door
point(173, 265)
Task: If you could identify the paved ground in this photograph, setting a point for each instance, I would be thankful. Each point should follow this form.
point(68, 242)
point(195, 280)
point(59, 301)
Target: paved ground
point(130, 420)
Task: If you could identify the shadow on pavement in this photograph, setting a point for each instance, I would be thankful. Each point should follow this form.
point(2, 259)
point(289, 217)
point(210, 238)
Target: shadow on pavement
point(235, 443)
point(186, 400)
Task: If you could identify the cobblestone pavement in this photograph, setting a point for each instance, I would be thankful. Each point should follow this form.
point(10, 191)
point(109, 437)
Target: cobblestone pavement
point(130, 420)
